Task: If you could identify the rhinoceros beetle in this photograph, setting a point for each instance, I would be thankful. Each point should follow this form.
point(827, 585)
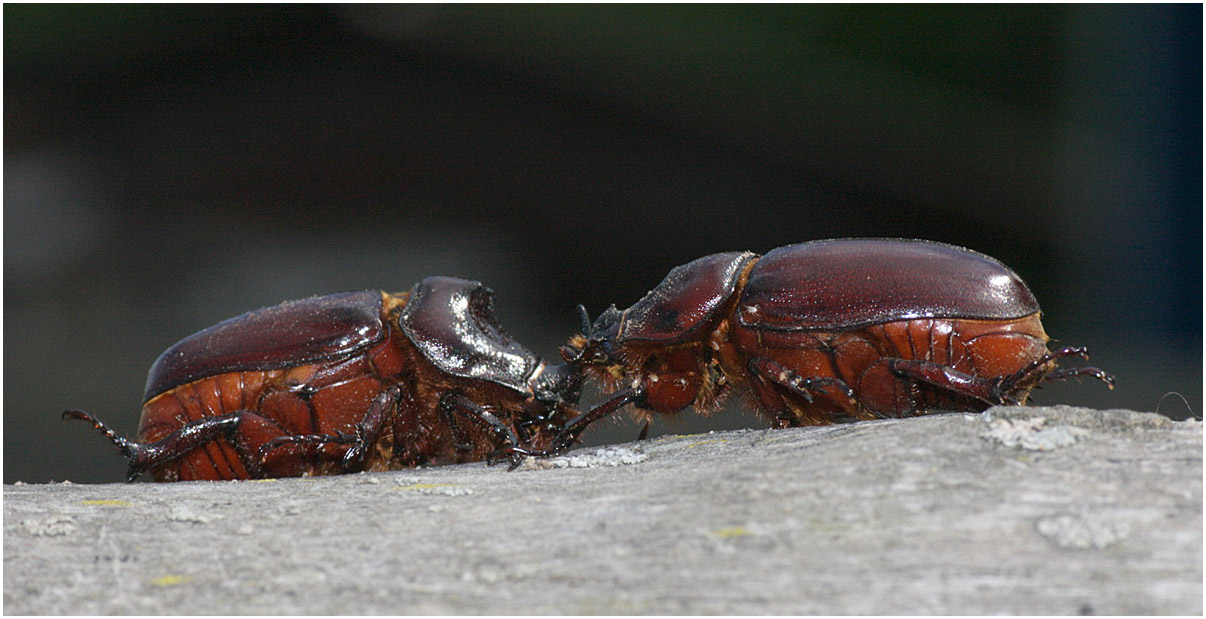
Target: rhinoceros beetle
point(823, 332)
point(347, 382)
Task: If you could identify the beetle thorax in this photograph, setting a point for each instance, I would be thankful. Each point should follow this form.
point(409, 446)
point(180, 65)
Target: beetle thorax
point(695, 373)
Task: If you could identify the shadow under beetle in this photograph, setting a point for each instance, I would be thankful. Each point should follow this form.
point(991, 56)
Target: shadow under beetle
point(344, 383)
point(822, 332)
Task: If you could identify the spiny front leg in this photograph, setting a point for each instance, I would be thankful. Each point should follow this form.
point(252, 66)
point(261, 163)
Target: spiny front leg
point(455, 404)
point(572, 430)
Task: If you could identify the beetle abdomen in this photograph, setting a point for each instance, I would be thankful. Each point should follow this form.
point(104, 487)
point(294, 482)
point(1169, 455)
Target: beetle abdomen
point(850, 283)
point(862, 358)
point(980, 349)
point(320, 398)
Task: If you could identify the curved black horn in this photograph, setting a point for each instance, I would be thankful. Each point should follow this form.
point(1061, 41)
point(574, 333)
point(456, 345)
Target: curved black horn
point(584, 320)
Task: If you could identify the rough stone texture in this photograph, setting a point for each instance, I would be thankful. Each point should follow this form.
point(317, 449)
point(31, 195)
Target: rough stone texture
point(1018, 510)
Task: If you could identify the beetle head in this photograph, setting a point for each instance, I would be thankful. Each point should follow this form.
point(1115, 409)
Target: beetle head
point(558, 384)
point(595, 344)
point(556, 392)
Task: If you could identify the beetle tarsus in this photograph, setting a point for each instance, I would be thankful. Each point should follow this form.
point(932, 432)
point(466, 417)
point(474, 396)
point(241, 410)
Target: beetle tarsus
point(1041, 370)
point(141, 456)
point(121, 442)
point(1091, 372)
point(145, 456)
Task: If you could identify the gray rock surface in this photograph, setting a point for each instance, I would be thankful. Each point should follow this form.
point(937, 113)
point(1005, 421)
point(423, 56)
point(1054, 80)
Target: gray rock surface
point(1018, 510)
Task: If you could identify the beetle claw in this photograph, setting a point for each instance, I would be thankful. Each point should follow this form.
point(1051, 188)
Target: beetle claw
point(515, 454)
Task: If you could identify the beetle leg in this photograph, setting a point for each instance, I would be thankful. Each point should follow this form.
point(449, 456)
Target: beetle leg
point(1001, 390)
point(459, 440)
point(773, 372)
point(569, 435)
point(986, 389)
point(366, 435)
point(772, 402)
point(317, 440)
point(645, 429)
point(805, 387)
point(261, 462)
point(144, 456)
point(369, 428)
point(1034, 373)
point(452, 403)
point(1063, 374)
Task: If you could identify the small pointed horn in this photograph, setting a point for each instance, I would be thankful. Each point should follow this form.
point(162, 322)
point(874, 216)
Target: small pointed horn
point(584, 320)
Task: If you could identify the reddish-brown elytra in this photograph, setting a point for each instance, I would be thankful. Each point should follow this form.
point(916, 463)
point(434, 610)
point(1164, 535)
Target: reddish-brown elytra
point(346, 382)
point(824, 332)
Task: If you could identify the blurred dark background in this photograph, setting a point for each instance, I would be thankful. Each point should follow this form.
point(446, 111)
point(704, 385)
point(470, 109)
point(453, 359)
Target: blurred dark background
point(167, 167)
